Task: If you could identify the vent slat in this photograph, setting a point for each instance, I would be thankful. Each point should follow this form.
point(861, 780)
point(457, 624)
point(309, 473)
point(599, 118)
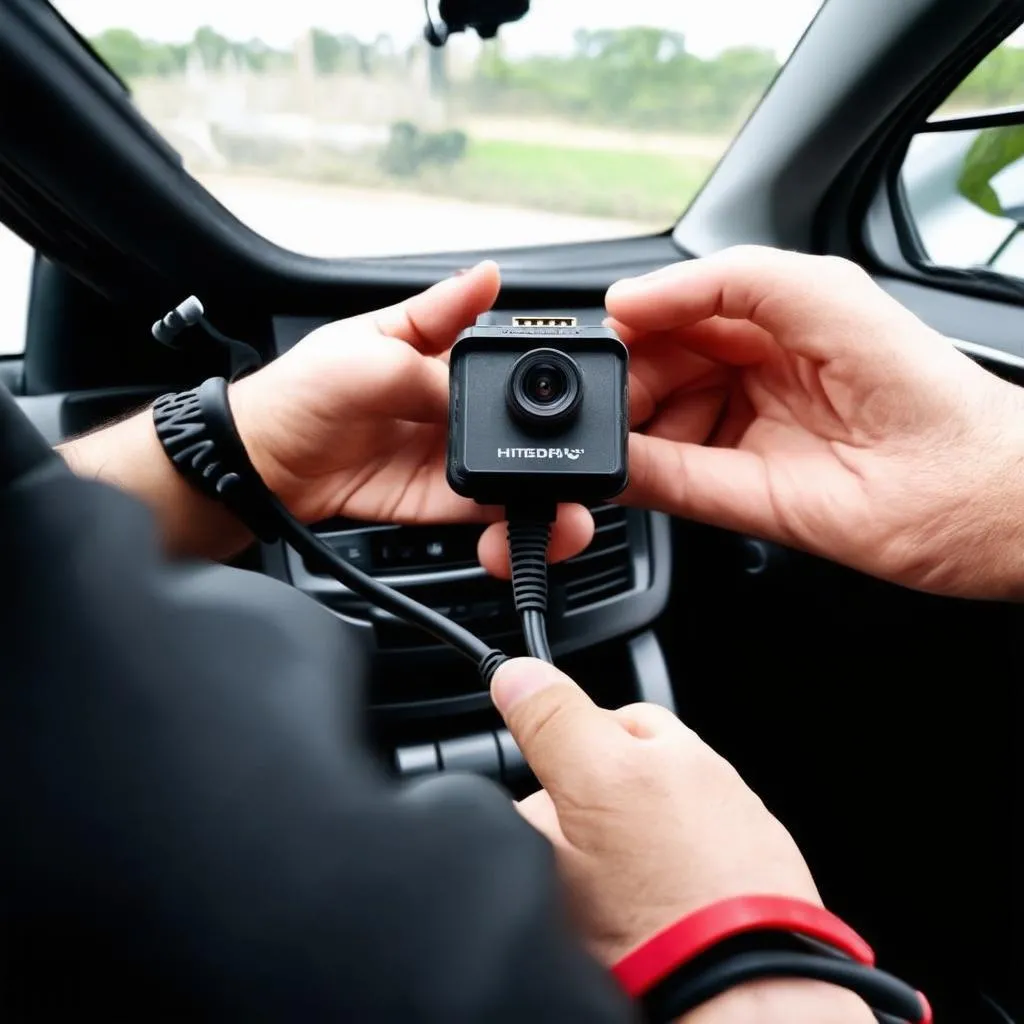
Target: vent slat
point(600, 552)
point(611, 587)
point(605, 569)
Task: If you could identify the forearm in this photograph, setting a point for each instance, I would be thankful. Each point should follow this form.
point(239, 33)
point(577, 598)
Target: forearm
point(783, 1001)
point(129, 456)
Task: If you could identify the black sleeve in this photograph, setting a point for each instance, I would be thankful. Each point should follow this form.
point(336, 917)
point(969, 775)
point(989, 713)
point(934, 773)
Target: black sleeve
point(192, 830)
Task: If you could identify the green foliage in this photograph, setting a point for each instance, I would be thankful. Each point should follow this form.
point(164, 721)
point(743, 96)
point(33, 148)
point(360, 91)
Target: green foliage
point(333, 54)
point(996, 82)
point(132, 57)
point(640, 77)
point(649, 187)
point(990, 152)
point(410, 150)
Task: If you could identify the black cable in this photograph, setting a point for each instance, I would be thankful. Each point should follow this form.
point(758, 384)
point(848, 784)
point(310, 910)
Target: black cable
point(684, 991)
point(317, 552)
point(535, 632)
point(199, 435)
point(167, 330)
point(529, 531)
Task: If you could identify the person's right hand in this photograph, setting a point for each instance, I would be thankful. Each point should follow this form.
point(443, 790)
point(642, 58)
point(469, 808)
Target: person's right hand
point(649, 824)
point(850, 429)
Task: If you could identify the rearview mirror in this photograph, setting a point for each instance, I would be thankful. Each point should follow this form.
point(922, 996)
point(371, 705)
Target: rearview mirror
point(485, 16)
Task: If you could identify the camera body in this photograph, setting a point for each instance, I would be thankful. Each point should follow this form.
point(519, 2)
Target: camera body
point(538, 412)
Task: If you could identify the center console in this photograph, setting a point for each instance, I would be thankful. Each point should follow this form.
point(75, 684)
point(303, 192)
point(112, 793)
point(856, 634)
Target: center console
point(427, 708)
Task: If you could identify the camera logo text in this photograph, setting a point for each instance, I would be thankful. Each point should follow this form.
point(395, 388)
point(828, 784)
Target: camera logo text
point(572, 454)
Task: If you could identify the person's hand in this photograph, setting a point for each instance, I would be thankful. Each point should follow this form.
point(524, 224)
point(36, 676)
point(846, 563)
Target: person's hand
point(353, 420)
point(650, 824)
point(838, 422)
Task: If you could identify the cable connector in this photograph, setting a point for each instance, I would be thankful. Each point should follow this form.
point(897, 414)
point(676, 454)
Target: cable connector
point(190, 313)
point(186, 314)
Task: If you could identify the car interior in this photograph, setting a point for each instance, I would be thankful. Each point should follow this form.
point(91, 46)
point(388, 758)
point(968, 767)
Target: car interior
point(880, 725)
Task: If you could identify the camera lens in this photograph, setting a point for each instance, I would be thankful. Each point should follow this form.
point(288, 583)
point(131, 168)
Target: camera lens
point(545, 388)
point(545, 384)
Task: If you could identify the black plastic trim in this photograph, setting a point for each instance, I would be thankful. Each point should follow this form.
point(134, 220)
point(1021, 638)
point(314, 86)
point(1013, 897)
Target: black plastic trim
point(650, 671)
point(70, 413)
point(966, 122)
point(862, 67)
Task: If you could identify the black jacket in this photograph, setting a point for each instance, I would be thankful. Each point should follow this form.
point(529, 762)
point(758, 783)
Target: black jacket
point(191, 828)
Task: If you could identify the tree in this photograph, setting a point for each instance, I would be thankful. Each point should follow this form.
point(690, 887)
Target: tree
point(328, 52)
point(997, 81)
point(211, 46)
point(132, 57)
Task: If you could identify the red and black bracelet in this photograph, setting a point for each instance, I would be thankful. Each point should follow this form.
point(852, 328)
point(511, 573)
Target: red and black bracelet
point(750, 938)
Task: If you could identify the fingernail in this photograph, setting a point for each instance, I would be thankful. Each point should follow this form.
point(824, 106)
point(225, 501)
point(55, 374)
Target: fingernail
point(469, 270)
point(519, 679)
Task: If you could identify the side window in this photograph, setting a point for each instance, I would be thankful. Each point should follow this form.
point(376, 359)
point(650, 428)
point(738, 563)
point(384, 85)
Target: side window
point(963, 177)
point(16, 258)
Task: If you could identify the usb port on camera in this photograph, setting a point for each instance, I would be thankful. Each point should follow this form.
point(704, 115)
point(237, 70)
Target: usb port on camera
point(543, 321)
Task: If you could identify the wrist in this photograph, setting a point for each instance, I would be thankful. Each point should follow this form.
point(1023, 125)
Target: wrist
point(128, 455)
point(255, 423)
point(982, 542)
point(782, 1001)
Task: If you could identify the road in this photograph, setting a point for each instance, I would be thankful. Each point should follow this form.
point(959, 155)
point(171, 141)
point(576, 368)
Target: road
point(329, 220)
point(325, 220)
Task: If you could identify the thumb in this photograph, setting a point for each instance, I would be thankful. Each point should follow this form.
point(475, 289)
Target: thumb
point(559, 729)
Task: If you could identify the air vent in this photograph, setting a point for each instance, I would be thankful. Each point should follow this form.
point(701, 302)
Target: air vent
point(605, 569)
point(397, 550)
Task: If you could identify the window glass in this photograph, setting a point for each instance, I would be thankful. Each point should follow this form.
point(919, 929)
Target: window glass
point(16, 258)
point(964, 188)
point(998, 81)
point(334, 129)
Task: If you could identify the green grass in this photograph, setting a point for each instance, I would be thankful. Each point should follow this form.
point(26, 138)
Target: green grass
point(651, 187)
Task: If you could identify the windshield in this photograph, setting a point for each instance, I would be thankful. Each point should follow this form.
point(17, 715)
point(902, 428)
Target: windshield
point(332, 128)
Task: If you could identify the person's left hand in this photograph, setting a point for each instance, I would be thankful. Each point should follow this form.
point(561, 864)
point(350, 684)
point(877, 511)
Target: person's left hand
point(353, 420)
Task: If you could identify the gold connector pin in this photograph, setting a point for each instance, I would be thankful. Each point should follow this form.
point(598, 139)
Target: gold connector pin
point(543, 321)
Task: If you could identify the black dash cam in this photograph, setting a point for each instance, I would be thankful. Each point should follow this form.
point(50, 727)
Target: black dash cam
point(539, 412)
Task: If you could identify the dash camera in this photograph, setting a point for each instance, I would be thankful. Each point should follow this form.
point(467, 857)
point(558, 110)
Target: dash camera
point(538, 412)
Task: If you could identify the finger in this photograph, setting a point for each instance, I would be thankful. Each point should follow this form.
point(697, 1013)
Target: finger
point(431, 320)
point(563, 735)
point(571, 533)
point(820, 307)
point(732, 342)
point(689, 416)
point(725, 487)
point(658, 366)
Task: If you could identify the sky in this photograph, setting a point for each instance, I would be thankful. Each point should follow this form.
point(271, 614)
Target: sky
point(708, 25)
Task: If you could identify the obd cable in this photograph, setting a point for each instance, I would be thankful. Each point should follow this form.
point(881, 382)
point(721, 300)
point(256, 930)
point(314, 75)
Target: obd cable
point(199, 435)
